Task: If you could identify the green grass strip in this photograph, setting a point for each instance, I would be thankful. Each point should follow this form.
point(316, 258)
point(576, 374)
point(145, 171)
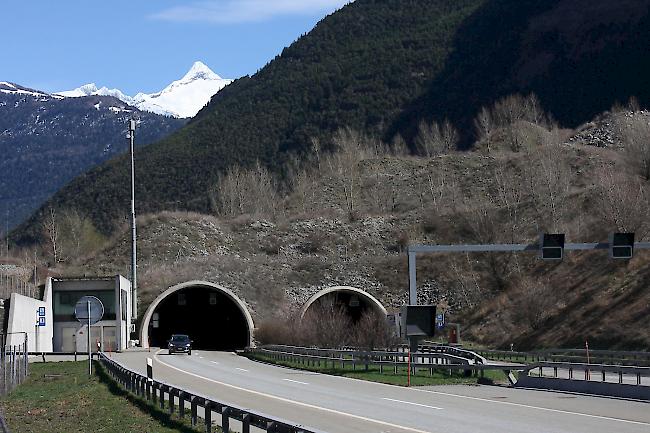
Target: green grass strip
point(61, 397)
point(423, 377)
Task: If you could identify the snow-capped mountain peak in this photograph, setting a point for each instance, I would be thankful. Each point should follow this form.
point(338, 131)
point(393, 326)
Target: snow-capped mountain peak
point(182, 98)
point(199, 71)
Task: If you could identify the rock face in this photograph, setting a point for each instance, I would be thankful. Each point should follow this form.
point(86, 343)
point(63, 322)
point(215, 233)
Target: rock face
point(607, 130)
point(46, 140)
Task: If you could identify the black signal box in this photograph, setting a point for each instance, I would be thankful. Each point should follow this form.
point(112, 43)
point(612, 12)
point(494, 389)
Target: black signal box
point(621, 245)
point(551, 246)
point(419, 320)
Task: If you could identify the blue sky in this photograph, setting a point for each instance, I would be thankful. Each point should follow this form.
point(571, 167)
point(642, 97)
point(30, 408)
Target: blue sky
point(143, 45)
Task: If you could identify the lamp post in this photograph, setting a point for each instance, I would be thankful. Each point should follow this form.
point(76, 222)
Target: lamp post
point(134, 280)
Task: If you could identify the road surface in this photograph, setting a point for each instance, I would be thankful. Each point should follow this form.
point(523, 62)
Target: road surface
point(341, 405)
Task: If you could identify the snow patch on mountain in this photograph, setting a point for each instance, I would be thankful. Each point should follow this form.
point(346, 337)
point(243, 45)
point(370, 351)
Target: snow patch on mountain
point(182, 98)
point(14, 89)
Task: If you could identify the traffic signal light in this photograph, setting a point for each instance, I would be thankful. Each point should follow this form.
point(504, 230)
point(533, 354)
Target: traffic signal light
point(551, 246)
point(621, 245)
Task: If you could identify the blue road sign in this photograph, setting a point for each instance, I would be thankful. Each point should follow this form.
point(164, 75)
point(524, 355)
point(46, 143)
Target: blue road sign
point(41, 321)
point(41, 311)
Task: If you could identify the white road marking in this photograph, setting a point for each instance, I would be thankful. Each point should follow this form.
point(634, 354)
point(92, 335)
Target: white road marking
point(296, 381)
point(606, 418)
point(298, 403)
point(487, 400)
point(214, 362)
point(241, 369)
point(414, 404)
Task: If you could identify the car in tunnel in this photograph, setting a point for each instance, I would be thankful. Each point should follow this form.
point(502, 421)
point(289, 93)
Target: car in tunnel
point(179, 343)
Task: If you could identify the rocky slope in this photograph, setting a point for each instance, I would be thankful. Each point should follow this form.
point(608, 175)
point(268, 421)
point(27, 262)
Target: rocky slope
point(276, 264)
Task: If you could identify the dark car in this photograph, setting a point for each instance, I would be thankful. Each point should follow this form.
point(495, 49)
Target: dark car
point(180, 343)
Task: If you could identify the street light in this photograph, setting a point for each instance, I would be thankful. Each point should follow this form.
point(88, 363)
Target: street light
point(134, 280)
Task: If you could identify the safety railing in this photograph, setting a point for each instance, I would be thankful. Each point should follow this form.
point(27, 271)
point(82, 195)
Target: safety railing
point(14, 361)
point(385, 361)
point(176, 399)
point(594, 356)
point(592, 372)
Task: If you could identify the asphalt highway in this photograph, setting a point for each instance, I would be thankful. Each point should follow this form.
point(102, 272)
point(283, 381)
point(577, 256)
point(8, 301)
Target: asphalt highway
point(342, 405)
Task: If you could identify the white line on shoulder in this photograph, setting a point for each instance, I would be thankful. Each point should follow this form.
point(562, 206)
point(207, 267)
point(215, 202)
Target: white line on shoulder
point(413, 404)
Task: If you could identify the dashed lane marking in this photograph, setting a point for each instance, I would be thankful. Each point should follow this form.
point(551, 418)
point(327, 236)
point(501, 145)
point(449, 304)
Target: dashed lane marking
point(297, 403)
point(413, 404)
point(296, 381)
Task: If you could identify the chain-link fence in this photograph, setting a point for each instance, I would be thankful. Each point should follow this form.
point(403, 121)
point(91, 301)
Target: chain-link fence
point(13, 360)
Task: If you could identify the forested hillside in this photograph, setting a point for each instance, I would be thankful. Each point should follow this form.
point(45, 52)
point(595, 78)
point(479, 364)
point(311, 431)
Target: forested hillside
point(381, 66)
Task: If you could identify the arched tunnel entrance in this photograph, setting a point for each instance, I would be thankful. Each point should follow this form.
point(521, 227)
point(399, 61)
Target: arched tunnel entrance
point(213, 317)
point(350, 300)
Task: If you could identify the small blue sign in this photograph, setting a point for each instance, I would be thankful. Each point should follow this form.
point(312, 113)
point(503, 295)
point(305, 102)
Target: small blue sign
point(41, 311)
point(41, 321)
point(440, 321)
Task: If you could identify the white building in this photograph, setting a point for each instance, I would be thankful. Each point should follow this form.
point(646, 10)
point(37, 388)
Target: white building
point(51, 325)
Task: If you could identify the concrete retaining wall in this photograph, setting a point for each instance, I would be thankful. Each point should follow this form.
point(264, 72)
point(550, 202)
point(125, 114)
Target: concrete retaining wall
point(586, 387)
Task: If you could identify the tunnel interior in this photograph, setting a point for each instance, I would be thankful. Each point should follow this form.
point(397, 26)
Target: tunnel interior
point(210, 317)
point(354, 305)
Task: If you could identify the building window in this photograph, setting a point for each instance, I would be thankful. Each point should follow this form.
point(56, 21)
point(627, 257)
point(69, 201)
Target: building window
point(65, 300)
point(213, 298)
point(181, 299)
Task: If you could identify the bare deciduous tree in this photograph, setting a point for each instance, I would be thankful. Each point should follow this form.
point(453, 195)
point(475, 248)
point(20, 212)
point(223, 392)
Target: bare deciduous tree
point(549, 178)
point(442, 187)
point(636, 139)
point(240, 192)
point(434, 139)
point(51, 231)
point(484, 127)
point(624, 201)
point(352, 148)
point(519, 119)
point(534, 302)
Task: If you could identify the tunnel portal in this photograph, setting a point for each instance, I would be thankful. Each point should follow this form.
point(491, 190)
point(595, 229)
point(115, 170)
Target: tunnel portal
point(354, 302)
point(213, 317)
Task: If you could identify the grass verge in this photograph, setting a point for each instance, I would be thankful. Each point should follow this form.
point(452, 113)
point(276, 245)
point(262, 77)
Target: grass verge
point(423, 377)
point(61, 397)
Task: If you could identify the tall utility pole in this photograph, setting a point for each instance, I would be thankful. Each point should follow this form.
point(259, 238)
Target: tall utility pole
point(134, 280)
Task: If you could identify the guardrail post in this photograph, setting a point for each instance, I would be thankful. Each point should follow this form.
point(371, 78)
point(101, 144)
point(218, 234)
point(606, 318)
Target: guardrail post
point(193, 406)
point(162, 395)
point(246, 423)
point(208, 416)
point(154, 397)
point(148, 389)
point(181, 404)
point(225, 419)
point(172, 392)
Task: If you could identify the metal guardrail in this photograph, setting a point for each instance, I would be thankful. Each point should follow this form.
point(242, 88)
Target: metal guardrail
point(384, 360)
point(599, 371)
point(177, 399)
point(596, 356)
point(14, 363)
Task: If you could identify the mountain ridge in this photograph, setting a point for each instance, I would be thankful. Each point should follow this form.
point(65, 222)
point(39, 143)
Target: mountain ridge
point(182, 98)
point(380, 67)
